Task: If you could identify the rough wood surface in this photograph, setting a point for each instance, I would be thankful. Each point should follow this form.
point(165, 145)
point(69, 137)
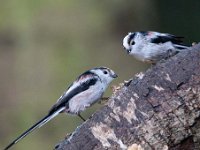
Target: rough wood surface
point(159, 109)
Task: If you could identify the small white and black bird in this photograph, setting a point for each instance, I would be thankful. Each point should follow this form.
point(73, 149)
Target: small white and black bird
point(88, 88)
point(150, 46)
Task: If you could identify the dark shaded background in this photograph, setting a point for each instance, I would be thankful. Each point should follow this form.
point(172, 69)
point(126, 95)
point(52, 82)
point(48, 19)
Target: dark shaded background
point(45, 45)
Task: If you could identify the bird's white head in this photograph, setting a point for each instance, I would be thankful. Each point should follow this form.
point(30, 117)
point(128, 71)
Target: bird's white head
point(129, 42)
point(105, 74)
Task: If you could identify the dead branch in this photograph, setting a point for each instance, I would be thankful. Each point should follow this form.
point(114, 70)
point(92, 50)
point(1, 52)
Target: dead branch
point(158, 109)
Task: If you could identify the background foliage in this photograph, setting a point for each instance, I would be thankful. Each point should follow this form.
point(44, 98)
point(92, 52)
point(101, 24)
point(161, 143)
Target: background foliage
point(45, 45)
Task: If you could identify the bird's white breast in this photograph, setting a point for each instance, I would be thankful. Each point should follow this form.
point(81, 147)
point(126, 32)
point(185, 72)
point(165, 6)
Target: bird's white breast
point(85, 99)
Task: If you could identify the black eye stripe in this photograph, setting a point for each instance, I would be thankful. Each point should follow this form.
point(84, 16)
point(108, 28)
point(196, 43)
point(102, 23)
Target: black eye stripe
point(132, 42)
point(131, 37)
point(129, 40)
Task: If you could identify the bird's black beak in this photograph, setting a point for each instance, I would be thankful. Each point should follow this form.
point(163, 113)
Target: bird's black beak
point(114, 75)
point(128, 51)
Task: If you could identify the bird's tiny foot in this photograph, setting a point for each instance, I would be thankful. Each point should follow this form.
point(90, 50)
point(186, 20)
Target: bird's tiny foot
point(127, 82)
point(90, 117)
point(103, 100)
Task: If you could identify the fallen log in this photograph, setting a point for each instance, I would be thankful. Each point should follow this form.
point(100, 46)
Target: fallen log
point(158, 109)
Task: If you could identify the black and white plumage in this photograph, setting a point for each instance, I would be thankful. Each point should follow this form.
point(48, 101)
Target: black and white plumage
point(88, 88)
point(152, 46)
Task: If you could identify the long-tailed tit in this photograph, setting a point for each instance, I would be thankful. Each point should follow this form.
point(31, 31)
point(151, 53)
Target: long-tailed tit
point(152, 46)
point(88, 88)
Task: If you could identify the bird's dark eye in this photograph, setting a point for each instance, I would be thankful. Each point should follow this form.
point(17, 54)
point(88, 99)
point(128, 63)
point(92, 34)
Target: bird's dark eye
point(105, 72)
point(132, 42)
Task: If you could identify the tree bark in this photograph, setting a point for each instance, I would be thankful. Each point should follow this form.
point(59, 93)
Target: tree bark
point(158, 109)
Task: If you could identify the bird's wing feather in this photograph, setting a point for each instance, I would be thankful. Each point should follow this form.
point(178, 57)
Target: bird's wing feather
point(165, 37)
point(82, 83)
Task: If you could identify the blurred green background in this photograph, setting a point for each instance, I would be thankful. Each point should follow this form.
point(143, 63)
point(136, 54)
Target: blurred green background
point(45, 45)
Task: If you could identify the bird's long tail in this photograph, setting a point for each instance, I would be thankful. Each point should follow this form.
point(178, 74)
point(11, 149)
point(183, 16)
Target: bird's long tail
point(35, 126)
point(180, 47)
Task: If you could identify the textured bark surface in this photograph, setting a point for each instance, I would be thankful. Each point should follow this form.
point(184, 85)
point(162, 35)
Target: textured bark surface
point(159, 109)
